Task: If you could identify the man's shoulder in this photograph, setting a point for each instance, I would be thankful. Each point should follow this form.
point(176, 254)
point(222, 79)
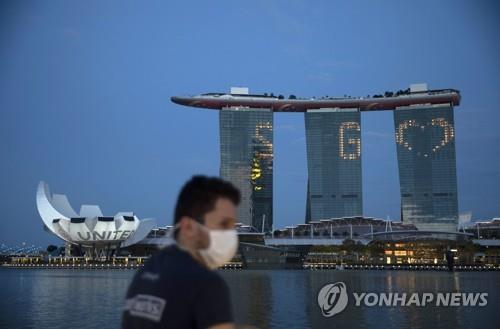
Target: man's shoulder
point(162, 252)
point(212, 282)
point(172, 260)
point(169, 253)
point(172, 263)
point(160, 270)
point(214, 277)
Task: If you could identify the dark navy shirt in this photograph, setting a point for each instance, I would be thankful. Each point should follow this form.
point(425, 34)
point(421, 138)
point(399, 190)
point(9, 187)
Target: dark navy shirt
point(173, 290)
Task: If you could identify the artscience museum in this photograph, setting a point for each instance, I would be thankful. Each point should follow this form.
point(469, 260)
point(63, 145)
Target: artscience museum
point(89, 229)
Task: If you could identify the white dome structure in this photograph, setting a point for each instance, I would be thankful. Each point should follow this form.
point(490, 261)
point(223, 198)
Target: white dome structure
point(89, 227)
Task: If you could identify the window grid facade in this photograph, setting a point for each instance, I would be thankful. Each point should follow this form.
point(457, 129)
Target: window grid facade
point(246, 145)
point(333, 140)
point(425, 142)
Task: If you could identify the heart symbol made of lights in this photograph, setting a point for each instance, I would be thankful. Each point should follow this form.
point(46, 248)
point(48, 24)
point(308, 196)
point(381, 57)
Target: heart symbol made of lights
point(448, 133)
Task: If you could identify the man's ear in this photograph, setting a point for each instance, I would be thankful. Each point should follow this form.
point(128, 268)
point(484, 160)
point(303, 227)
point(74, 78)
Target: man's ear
point(186, 225)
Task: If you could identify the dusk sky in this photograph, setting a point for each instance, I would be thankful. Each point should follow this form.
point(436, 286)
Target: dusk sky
point(85, 93)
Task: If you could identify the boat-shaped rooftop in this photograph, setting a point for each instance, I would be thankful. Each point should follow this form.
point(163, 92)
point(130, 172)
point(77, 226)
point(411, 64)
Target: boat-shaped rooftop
point(389, 100)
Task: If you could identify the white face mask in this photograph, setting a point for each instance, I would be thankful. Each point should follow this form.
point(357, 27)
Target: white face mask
point(222, 246)
point(221, 249)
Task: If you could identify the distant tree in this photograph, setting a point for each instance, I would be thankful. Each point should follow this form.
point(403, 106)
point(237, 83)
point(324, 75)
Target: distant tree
point(359, 247)
point(281, 97)
point(292, 97)
point(51, 248)
point(348, 243)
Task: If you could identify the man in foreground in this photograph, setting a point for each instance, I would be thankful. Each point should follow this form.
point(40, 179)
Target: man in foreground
point(177, 287)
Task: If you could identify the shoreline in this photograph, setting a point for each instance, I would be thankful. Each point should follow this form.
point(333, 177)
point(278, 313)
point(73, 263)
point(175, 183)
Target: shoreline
point(311, 267)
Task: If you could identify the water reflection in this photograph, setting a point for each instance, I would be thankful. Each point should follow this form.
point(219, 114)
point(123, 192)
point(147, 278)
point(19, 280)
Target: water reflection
point(291, 301)
point(267, 299)
point(62, 298)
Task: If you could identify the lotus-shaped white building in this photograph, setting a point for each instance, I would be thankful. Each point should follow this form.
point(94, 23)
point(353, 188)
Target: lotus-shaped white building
point(89, 228)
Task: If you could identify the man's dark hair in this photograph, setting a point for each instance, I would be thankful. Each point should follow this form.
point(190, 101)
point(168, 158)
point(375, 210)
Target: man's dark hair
point(199, 195)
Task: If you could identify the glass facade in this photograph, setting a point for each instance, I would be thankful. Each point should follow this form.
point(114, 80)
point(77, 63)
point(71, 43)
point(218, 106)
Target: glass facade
point(333, 140)
point(246, 145)
point(425, 142)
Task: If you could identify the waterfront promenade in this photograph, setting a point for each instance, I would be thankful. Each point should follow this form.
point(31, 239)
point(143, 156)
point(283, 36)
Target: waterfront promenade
point(239, 266)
